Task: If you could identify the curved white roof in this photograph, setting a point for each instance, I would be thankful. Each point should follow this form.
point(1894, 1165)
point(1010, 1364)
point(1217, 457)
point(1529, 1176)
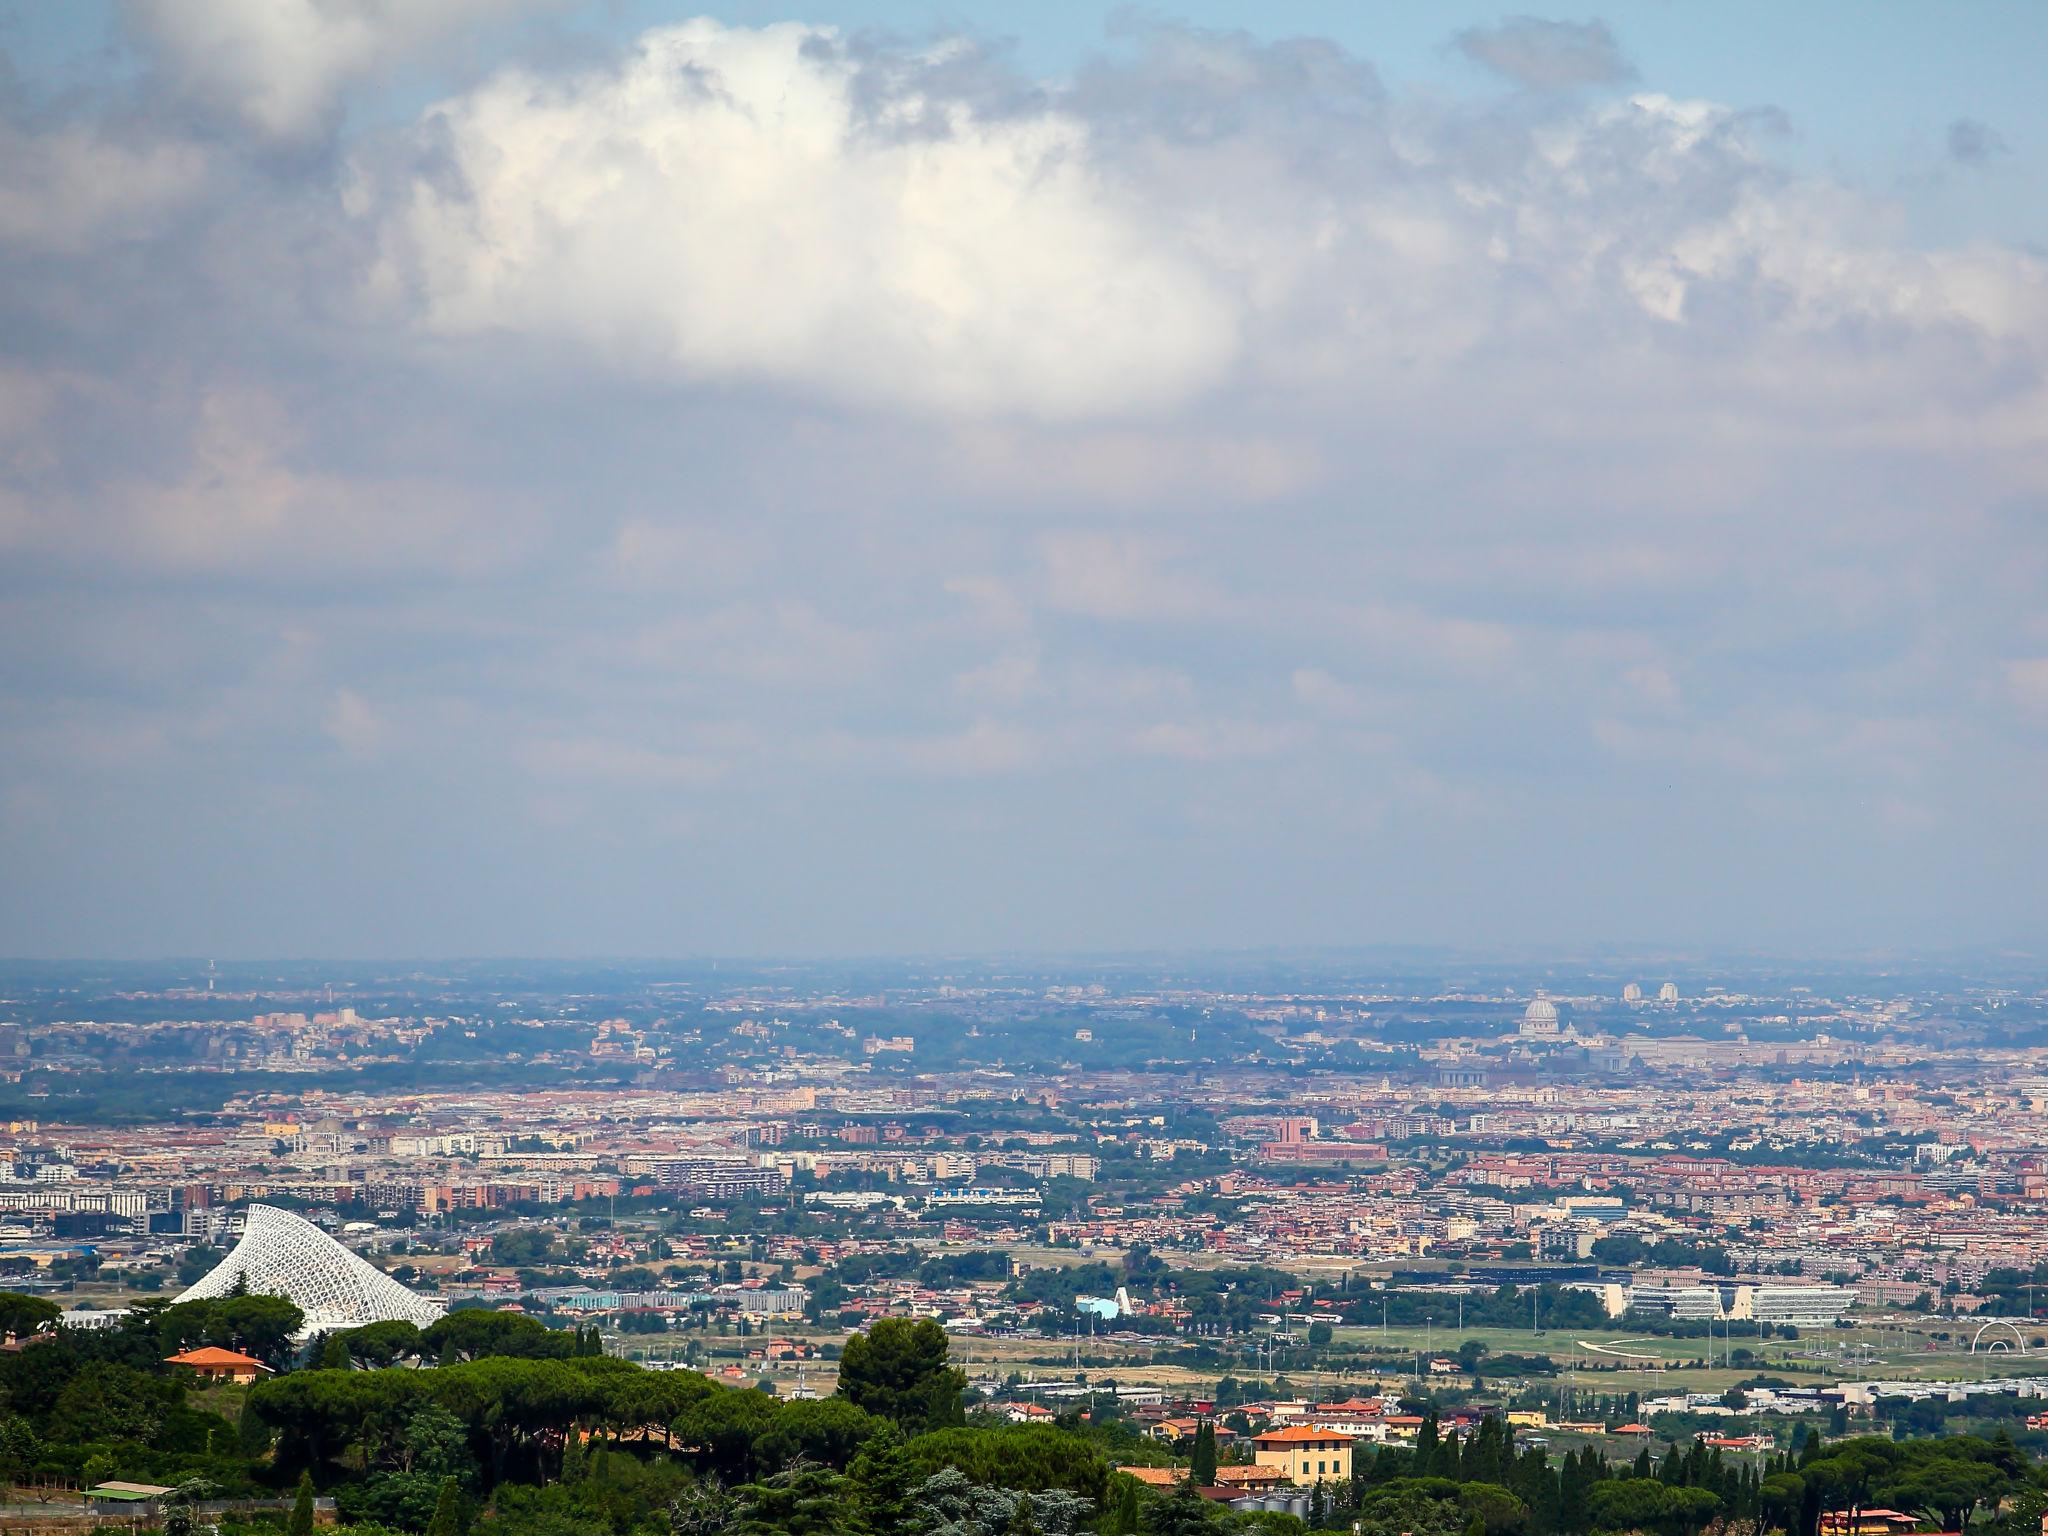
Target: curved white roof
point(281, 1254)
point(1543, 1011)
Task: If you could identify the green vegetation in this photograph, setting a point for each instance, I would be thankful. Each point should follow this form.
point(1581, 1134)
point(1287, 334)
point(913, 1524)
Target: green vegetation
point(489, 1424)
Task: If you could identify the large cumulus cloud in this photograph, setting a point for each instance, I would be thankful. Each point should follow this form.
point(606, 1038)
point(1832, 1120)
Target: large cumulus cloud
point(777, 206)
point(728, 203)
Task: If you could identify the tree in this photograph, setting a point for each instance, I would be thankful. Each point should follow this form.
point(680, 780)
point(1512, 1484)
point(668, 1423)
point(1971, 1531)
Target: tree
point(181, 1506)
point(1497, 1510)
point(384, 1343)
point(1124, 1513)
point(1202, 1464)
point(1183, 1512)
point(301, 1523)
point(897, 1370)
point(1029, 1457)
point(1779, 1500)
point(830, 1430)
point(22, 1315)
point(725, 1428)
point(474, 1333)
point(703, 1509)
point(1423, 1506)
point(109, 1402)
point(801, 1501)
point(398, 1501)
point(884, 1482)
point(435, 1444)
point(1948, 1489)
point(20, 1448)
point(447, 1518)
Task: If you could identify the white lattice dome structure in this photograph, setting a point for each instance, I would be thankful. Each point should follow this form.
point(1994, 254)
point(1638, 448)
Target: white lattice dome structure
point(281, 1254)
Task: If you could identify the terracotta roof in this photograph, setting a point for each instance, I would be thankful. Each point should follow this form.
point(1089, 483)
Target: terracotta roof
point(1301, 1434)
point(212, 1356)
point(1247, 1474)
point(1153, 1477)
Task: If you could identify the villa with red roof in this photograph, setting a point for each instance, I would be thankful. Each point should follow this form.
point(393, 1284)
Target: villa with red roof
point(1305, 1453)
point(211, 1364)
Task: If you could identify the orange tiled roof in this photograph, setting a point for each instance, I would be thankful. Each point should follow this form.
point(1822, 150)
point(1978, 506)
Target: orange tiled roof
point(212, 1356)
point(1301, 1434)
point(1153, 1477)
point(1244, 1474)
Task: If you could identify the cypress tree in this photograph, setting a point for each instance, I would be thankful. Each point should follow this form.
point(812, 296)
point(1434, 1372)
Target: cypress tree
point(1202, 1465)
point(301, 1523)
point(1127, 1509)
point(1425, 1444)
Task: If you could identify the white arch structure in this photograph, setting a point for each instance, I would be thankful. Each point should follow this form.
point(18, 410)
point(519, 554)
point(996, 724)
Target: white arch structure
point(281, 1254)
point(2017, 1344)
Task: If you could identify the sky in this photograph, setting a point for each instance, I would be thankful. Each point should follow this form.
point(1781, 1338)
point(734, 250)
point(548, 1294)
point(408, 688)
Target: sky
point(522, 477)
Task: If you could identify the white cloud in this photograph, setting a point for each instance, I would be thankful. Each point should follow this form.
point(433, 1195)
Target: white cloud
point(68, 190)
point(771, 206)
point(282, 66)
point(724, 206)
point(352, 724)
point(1547, 55)
point(240, 502)
point(1117, 577)
point(1653, 685)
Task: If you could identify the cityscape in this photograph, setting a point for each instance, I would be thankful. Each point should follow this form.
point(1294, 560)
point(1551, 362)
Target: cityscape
point(1282, 1210)
point(1085, 769)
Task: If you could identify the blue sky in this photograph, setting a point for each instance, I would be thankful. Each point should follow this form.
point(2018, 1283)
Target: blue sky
point(520, 477)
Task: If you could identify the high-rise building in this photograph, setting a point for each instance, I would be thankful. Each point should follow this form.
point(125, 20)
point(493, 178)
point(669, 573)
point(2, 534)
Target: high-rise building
point(1631, 993)
point(1668, 993)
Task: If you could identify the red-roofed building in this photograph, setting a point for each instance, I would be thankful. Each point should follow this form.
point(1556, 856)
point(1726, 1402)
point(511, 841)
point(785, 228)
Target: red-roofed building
point(211, 1364)
point(1249, 1478)
point(1305, 1453)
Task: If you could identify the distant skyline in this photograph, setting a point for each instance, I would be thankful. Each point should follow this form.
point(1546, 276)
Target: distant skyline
point(523, 477)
